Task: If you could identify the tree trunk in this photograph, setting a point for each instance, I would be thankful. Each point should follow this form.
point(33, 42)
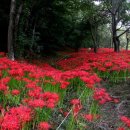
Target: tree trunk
point(115, 38)
point(16, 25)
point(115, 20)
point(127, 44)
point(94, 39)
point(10, 30)
point(127, 40)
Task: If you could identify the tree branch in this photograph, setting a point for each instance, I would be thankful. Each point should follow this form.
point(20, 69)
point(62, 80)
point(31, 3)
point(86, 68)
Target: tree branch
point(119, 28)
point(108, 8)
point(123, 32)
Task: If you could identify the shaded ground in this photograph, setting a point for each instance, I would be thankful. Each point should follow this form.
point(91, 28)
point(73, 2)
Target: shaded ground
point(111, 112)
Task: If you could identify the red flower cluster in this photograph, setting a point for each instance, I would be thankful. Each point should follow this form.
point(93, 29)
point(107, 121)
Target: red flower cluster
point(104, 60)
point(40, 99)
point(101, 95)
point(44, 126)
point(36, 103)
point(16, 72)
point(51, 99)
point(90, 117)
point(15, 92)
point(125, 120)
point(83, 65)
point(76, 107)
point(15, 118)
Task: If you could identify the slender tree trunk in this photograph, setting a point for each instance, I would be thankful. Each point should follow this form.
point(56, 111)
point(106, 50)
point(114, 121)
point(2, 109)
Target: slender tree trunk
point(16, 25)
point(127, 43)
point(115, 38)
point(94, 40)
point(115, 20)
point(127, 40)
point(10, 30)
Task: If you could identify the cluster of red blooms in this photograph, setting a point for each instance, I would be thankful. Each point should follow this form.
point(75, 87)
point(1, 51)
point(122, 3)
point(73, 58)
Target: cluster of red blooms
point(16, 118)
point(104, 60)
point(101, 95)
point(88, 78)
point(4, 84)
point(46, 99)
point(77, 106)
point(125, 120)
point(90, 117)
point(44, 126)
point(18, 70)
point(121, 128)
point(82, 65)
point(15, 92)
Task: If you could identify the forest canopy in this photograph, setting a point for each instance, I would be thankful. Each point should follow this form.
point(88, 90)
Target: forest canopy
point(50, 25)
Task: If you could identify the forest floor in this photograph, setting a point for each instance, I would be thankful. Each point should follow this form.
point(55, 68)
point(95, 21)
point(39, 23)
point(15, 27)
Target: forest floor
point(111, 112)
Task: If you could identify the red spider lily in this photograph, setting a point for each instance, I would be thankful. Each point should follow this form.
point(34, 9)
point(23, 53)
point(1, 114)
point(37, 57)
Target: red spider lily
point(27, 80)
point(50, 105)
point(36, 103)
point(3, 66)
point(5, 80)
point(120, 128)
point(46, 95)
point(3, 87)
point(10, 122)
point(16, 72)
point(64, 84)
point(90, 117)
point(24, 113)
point(44, 126)
point(65, 114)
point(35, 93)
point(125, 120)
point(49, 96)
point(75, 101)
point(101, 95)
point(15, 92)
point(76, 107)
point(31, 85)
point(116, 100)
point(16, 117)
point(26, 100)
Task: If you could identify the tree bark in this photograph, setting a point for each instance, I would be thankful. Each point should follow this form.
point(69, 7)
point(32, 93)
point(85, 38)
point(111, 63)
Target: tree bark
point(127, 44)
point(94, 39)
point(127, 40)
point(10, 30)
point(16, 25)
point(115, 38)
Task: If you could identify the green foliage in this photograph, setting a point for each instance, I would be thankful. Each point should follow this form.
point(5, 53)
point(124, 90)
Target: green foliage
point(59, 24)
point(49, 25)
